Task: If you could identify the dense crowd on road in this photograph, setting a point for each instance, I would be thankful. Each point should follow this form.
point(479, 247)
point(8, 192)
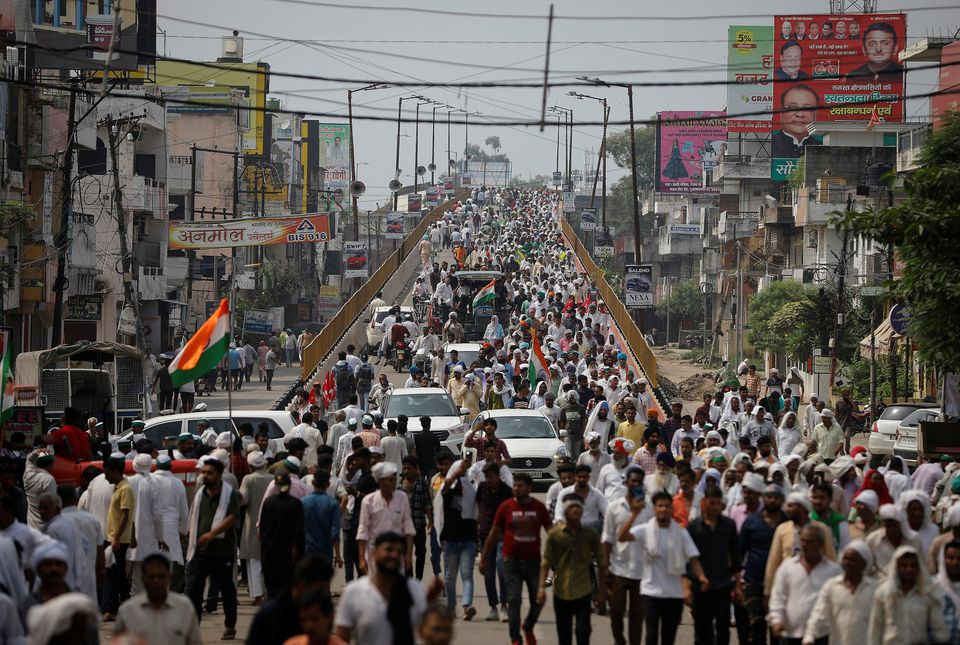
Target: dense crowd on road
point(749, 511)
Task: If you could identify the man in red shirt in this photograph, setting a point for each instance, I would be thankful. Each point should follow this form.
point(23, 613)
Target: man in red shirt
point(518, 521)
point(69, 440)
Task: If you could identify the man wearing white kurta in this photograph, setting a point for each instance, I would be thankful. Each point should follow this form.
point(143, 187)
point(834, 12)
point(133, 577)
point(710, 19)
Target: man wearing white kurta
point(797, 583)
point(844, 602)
point(147, 523)
point(174, 513)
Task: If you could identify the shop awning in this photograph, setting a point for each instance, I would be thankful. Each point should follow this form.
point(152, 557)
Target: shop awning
point(883, 334)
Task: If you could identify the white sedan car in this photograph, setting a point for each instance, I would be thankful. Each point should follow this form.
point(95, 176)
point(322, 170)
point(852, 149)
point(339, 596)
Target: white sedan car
point(446, 420)
point(531, 439)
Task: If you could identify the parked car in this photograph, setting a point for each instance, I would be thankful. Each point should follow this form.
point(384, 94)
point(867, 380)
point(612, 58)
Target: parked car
point(638, 284)
point(447, 422)
point(905, 439)
point(531, 439)
point(161, 430)
point(884, 430)
point(374, 333)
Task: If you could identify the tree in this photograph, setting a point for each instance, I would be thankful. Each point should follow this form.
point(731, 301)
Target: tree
point(620, 209)
point(618, 145)
point(684, 301)
point(923, 231)
point(478, 154)
point(537, 181)
point(493, 142)
point(762, 334)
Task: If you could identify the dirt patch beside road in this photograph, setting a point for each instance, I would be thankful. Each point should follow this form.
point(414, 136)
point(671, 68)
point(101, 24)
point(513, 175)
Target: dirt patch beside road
point(681, 379)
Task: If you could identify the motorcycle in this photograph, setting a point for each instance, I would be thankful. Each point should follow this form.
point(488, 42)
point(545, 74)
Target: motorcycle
point(422, 361)
point(401, 356)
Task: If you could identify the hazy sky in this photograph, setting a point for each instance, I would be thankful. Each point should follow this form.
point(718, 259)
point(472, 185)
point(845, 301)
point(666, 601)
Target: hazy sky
point(349, 43)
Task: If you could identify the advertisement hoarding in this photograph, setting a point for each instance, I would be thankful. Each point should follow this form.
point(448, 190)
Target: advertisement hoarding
point(588, 219)
point(355, 260)
point(335, 155)
point(750, 76)
point(433, 196)
point(448, 186)
point(252, 231)
point(328, 302)
point(638, 286)
point(414, 203)
point(557, 178)
point(603, 242)
point(568, 199)
point(688, 144)
point(837, 68)
point(394, 225)
point(257, 321)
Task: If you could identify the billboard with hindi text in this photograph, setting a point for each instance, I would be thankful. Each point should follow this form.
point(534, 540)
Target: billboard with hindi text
point(833, 68)
point(335, 156)
point(688, 144)
point(253, 231)
point(750, 78)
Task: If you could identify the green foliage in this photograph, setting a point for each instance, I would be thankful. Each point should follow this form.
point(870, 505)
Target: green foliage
point(620, 209)
point(479, 154)
point(796, 177)
point(924, 230)
point(537, 181)
point(684, 301)
point(14, 216)
point(493, 142)
point(279, 284)
point(618, 145)
point(763, 306)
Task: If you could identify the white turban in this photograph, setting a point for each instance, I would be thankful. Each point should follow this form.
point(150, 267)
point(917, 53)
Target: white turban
point(952, 520)
point(889, 512)
point(52, 550)
point(224, 440)
point(801, 499)
point(55, 616)
point(384, 469)
point(753, 481)
point(862, 549)
point(221, 455)
point(142, 463)
point(256, 459)
point(840, 465)
point(868, 498)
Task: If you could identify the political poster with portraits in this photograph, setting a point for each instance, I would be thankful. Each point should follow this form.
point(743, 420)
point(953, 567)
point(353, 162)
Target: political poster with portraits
point(833, 68)
point(335, 156)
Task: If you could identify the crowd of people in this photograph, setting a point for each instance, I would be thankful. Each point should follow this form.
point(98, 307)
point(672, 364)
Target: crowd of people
point(749, 511)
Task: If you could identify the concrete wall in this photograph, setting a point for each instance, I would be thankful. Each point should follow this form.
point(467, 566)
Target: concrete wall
point(846, 162)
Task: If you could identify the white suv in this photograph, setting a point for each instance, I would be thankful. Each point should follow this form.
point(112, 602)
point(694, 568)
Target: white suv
point(434, 402)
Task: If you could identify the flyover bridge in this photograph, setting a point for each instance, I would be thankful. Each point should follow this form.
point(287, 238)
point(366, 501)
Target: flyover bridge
point(394, 278)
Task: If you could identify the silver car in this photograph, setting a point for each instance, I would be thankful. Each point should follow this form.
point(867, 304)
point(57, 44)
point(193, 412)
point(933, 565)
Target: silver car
point(883, 431)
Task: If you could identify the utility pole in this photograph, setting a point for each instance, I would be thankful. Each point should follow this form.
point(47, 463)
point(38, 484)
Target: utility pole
point(433, 146)
point(130, 297)
point(63, 235)
point(633, 179)
point(838, 319)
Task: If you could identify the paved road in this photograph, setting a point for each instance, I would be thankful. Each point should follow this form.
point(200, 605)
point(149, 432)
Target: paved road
point(254, 396)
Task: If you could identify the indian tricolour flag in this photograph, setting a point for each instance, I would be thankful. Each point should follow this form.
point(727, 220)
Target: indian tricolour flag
point(537, 363)
point(485, 295)
point(205, 348)
point(6, 378)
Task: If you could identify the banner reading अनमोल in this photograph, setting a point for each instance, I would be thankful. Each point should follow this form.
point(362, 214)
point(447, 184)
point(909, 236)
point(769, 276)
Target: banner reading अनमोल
point(252, 231)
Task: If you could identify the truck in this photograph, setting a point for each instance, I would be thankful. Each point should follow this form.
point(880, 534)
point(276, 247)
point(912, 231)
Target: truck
point(101, 379)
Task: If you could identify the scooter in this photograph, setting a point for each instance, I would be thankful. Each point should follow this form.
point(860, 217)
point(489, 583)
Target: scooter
point(401, 356)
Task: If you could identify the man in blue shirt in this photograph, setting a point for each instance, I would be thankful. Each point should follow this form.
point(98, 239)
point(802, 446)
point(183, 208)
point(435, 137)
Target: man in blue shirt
point(756, 535)
point(321, 520)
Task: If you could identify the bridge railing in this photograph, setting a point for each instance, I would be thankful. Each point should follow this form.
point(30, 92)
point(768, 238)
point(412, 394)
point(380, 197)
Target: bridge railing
point(328, 337)
point(631, 333)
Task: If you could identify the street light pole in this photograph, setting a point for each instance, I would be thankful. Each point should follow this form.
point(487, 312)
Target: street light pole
point(433, 144)
point(399, 116)
point(602, 159)
point(353, 162)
